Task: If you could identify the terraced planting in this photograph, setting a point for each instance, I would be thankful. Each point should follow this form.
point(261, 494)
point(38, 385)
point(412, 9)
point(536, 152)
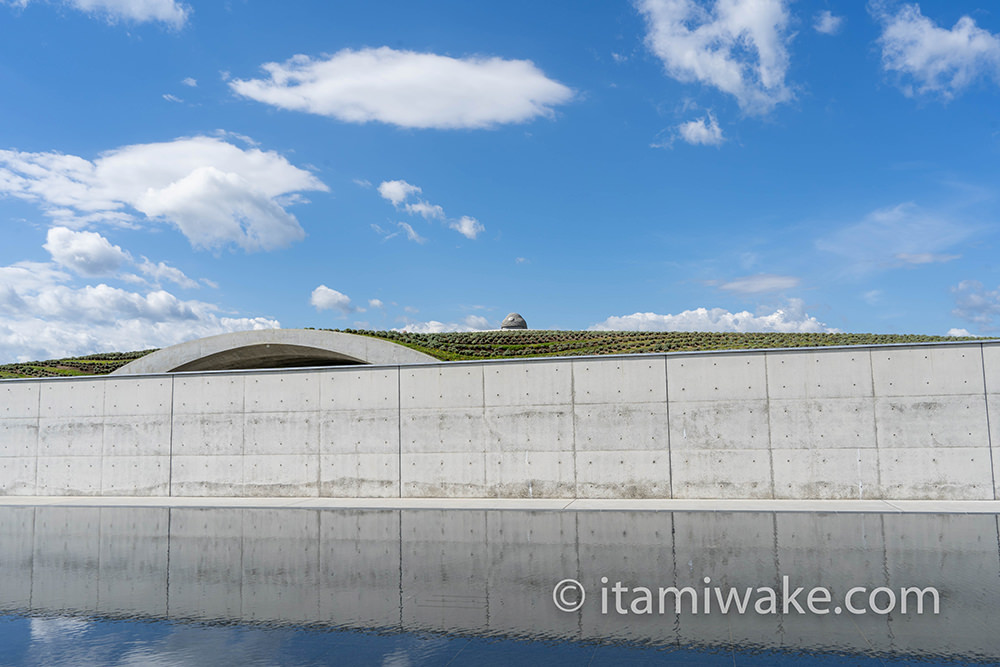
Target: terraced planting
point(94, 364)
point(532, 343)
point(515, 344)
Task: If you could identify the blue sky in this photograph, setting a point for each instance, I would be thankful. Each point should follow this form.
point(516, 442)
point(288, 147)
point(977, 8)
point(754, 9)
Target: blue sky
point(172, 169)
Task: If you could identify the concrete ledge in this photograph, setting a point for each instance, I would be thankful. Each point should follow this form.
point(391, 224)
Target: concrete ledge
point(522, 504)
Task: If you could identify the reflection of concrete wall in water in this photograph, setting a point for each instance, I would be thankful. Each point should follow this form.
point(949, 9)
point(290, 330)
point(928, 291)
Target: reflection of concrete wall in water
point(865, 422)
point(492, 572)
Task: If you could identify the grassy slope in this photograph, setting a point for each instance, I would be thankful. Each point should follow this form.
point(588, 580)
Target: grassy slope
point(510, 344)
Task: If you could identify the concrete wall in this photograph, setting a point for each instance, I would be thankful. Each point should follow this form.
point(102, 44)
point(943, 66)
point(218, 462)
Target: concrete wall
point(890, 422)
point(491, 573)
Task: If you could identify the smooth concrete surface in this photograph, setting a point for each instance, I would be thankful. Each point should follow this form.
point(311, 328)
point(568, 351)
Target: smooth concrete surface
point(529, 504)
point(273, 348)
point(911, 422)
point(491, 574)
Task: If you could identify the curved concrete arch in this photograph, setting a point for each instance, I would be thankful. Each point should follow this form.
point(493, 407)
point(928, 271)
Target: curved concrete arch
point(273, 348)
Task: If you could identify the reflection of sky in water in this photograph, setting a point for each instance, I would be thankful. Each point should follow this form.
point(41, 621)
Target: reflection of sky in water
point(116, 586)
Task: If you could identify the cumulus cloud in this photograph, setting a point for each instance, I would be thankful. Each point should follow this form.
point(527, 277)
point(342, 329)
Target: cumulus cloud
point(958, 332)
point(897, 236)
point(468, 227)
point(760, 283)
point(170, 12)
point(45, 316)
point(86, 253)
point(469, 323)
point(930, 60)
point(89, 254)
point(975, 303)
point(701, 132)
point(399, 193)
point(408, 89)
point(214, 192)
point(190, 82)
point(739, 47)
point(828, 24)
point(375, 303)
point(324, 298)
point(791, 319)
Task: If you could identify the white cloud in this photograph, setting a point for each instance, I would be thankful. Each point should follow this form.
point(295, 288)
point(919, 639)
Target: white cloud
point(932, 60)
point(375, 303)
point(90, 254)
point(872, 297)
point(172, 98)
point(426, 210)
point(411, 234)
point(704, 132)
point(216, 193)
point(408, 89)
point(399, 192)
point(975, 303)
point(828, 24)
point(468, 227)
point(170, 12)
point(902, 235)
point(160, 271)
point(958, 332)
point(469, 323)
point(760, 283)
point(45, 317)
point(190, 82)
point(791, 319)
point(86, 253)
point(324, 298)
point(739, 47)
point(924, 258)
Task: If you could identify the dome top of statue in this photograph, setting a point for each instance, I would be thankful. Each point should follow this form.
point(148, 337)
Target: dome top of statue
point(513, 321)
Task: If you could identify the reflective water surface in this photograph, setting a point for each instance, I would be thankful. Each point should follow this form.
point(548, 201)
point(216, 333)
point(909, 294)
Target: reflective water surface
point(137, 586)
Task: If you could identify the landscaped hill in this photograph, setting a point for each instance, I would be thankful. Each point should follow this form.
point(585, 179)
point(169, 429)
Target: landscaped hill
point(528, 343)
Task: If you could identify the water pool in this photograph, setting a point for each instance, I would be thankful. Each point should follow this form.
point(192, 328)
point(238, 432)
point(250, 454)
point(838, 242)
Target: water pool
point(188, 586)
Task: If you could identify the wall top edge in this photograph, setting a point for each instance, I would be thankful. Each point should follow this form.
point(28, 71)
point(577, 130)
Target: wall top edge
point(526, 360)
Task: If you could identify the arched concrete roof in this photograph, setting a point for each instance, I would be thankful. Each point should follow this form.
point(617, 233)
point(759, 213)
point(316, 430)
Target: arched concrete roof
point(273, 348)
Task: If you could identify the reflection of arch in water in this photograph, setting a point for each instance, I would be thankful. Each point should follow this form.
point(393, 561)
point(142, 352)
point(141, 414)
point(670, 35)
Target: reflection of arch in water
point(274, 348)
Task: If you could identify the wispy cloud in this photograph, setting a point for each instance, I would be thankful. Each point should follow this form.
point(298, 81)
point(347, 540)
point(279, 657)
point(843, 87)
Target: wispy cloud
point(902, 235)
point(828, 24)
point(760, 284)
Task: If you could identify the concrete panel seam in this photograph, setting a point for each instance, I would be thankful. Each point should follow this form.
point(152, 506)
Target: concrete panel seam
point(878, 449)
point(170, 449)
point(670, 455)
point(989, 434)
point(399, 442)
point(38, 436)
point(767, 413)
point(572, 398)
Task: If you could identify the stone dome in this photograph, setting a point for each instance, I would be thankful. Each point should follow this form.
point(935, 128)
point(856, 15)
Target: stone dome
point(513, 321)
